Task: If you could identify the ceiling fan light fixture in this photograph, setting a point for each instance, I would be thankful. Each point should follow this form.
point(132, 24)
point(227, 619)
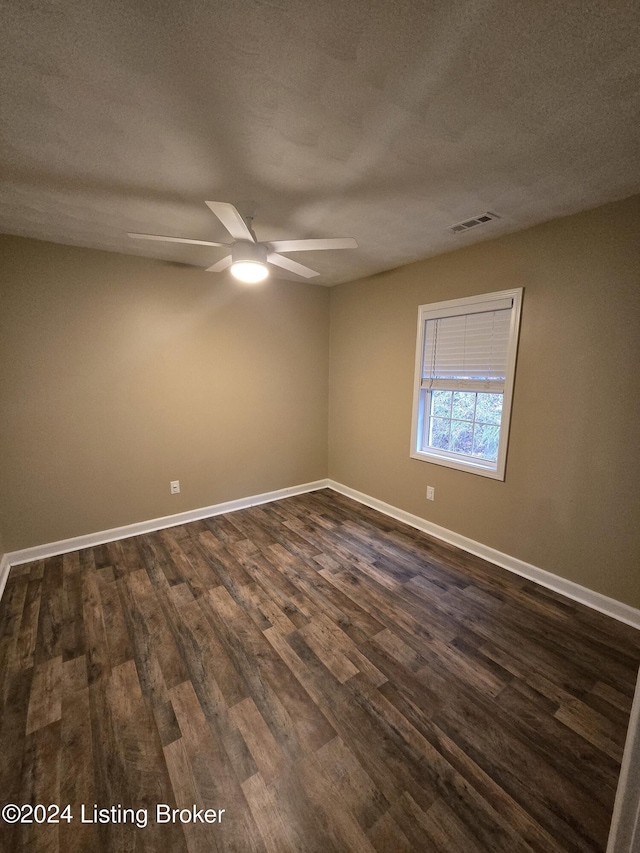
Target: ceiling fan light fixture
point(249, 258)
point(250, 272)
point(249, 262)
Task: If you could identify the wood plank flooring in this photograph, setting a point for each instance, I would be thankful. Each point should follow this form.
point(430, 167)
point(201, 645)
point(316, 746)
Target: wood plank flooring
point(331, 679)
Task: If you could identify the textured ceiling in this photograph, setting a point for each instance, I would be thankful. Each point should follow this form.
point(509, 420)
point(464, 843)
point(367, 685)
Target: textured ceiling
point(384, 121)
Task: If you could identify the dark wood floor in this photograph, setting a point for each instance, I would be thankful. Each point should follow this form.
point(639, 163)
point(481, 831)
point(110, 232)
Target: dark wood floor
point(333, 680)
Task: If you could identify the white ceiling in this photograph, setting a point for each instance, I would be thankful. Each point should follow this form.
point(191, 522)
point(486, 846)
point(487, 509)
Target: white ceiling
point(383, 120)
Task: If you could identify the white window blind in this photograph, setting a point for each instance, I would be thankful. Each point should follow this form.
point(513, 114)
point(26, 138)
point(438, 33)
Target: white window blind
point(468, 351)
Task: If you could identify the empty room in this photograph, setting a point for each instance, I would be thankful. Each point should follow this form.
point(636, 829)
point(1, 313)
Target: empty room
point(319, 516)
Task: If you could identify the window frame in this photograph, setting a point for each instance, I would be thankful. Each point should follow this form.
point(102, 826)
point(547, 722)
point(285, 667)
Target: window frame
point(422, 396)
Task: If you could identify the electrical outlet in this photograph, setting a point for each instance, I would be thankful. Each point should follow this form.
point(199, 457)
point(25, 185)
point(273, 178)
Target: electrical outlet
point(431, 493)
point(175, 487)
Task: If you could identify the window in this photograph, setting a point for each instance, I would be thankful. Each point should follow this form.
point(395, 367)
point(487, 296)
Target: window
point(465, 364)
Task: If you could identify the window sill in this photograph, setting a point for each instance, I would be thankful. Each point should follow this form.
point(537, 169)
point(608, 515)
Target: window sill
point(495, 473)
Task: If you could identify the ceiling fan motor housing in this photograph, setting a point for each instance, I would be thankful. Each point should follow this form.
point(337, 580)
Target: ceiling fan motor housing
point(244, 251)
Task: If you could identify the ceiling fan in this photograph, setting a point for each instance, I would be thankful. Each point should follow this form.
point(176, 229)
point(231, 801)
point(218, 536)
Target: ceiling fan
point(249, 258)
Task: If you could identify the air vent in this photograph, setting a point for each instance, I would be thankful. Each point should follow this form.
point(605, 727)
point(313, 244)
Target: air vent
point(481, 219)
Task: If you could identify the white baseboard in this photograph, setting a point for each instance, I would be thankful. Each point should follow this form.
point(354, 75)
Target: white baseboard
point(596, 600)
point(90, 540)
point(5, 565)
point(609, 606)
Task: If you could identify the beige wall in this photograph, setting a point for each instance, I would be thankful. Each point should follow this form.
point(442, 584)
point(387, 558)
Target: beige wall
point(119, 374)
point(570, 500)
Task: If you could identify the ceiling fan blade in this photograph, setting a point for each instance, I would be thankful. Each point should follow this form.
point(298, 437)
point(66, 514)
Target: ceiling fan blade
point(231, 219)
point(220, 265)
point(313, 245)
point(164, 239)
point(292, 266)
